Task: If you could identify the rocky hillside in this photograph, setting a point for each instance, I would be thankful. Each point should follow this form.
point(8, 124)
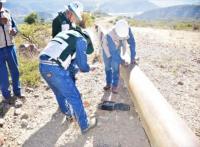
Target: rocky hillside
point(127, 6)
point(182, 12)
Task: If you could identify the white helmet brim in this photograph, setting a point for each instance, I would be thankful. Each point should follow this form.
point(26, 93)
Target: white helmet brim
point(76, 8)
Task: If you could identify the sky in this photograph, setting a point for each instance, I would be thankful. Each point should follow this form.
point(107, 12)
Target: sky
point(165, 3)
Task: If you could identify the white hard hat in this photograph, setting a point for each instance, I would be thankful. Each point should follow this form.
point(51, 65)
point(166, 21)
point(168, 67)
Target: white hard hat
point(2, 1)
point(77, 8)
point(122, 28)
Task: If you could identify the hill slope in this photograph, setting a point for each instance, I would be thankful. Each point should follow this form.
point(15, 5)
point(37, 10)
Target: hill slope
point(182, 12)
point(127, 6)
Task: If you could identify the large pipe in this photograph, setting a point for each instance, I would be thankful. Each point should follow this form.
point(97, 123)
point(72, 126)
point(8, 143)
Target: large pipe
point(162, 124)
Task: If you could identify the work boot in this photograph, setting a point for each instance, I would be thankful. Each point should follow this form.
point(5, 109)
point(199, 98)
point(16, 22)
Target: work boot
point(20, 96)
point(92, 123)
point(107, 87)
point(10, 100)
point(115, 90)
point(5, 105)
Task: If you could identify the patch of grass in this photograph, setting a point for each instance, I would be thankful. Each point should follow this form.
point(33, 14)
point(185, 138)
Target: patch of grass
point(99, 14)
point(29, 71)
point(88, 19)
point(182, 26)
point(38, 34)
point(176, 25)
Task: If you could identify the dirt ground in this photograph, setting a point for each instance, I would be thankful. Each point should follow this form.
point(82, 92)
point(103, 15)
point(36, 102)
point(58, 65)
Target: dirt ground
point(171, 59)
point(46, 126)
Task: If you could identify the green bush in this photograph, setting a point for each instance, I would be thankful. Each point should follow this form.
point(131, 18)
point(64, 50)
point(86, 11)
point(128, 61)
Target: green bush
point(88, 19)
point(31, 18)
point(38, 34)
point(177, 25)
point(182, 26)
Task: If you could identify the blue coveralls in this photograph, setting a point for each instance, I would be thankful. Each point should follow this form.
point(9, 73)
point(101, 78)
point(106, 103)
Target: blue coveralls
point(8, 58)
point(112, 63)
point(63, 86)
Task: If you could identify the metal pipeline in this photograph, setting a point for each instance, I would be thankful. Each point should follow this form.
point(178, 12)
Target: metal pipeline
point(162, 124)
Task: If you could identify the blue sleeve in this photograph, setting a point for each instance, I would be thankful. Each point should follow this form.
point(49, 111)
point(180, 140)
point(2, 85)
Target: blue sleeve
point(14, 24)
point(131, 42)
point(81, 57)
point(113, 51)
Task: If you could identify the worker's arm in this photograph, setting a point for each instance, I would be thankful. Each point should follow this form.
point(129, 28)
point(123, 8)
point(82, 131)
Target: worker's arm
point(105, 47)
point(131, 42)
point(81, 57)
point(56, 27)
point(14, 29)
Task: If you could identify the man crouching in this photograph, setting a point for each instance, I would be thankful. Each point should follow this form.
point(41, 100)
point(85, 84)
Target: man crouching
point(55, 61)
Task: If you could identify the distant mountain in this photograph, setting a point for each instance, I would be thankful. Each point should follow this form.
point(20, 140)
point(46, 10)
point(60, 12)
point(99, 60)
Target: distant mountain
point(45, 8)
point(49, 8)
point(181, 12)
point(126, 6)
point(113, 6)
point(35, 5)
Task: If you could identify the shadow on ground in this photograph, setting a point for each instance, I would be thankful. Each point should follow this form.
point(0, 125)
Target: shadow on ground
point(115, 128)
point(49, 134)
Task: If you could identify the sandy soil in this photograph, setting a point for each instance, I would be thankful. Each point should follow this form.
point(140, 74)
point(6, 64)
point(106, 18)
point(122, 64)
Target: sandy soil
point(171, 59)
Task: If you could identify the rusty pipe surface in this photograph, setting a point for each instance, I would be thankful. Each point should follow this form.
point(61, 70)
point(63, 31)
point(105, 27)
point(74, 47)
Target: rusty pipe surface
point(162, 124)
